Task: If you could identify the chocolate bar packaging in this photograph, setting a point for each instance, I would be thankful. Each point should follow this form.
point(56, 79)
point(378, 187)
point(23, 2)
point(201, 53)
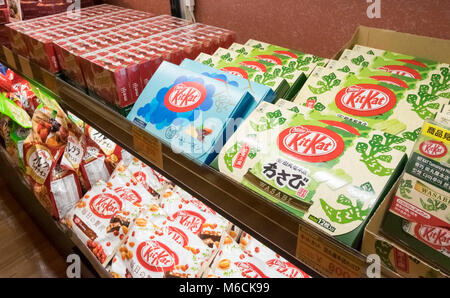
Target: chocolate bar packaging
point(399, 109)
point(305, 164)
point(422, 198)
point(279, 85)
point(189, 111)
point(259, 92)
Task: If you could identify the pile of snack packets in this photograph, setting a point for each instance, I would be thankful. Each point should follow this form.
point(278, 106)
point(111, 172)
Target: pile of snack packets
point(136, 222)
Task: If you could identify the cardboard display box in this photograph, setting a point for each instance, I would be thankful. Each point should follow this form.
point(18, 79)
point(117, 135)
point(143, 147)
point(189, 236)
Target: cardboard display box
point(394, 256)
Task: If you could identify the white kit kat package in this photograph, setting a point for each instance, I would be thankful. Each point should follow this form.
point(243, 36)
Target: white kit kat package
point(254, 248)
point(233, 262)
point(158, 248)
point(103, 216)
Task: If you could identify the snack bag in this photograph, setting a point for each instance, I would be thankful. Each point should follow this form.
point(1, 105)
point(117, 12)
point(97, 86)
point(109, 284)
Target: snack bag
point(102, 217)
point(15, 125)
point(152, 252)
point(258, 250)
point(42, 151)
point(146, 176)
point(233, 262)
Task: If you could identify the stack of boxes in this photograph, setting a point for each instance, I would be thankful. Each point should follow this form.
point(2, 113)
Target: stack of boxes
point(112, 52)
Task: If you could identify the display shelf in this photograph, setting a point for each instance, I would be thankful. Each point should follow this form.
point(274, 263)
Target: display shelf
point(63, 239)
point(260, 218)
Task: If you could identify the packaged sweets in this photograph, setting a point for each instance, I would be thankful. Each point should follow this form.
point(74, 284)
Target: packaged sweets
point(418, 215)
point(152, 252)
point(385, 106)
point(270, 66)
point(233, 262)
point(55, 185)
point(15, 125)
point(258, 250)
point(189, 111)
point(406, 65)
point(258, 91)
point(103, 216)
point(305, 163)
point(279, 85)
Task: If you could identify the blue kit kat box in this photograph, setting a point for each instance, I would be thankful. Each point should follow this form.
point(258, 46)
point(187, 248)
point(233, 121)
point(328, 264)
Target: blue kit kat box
point(259, 92)
point(192, 113)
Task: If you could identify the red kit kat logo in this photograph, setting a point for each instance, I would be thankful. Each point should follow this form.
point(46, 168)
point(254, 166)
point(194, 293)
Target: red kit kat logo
point(401, 71)
point(185, 97)
point(254, 65)
point(433, 149)
point(249, 270)
point(190, 219)
point(129, 194)
point(287, 54)
point(178, 235)
point(105, 205)
point(236, 71)
point(310, 143)
point(156, 257)
point(365, 100)
point(270, 58)
point(436, 237)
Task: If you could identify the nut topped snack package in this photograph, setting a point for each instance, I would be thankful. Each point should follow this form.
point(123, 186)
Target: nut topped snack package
point(188, 111)
point(305, 164)
point(156, 252)
point(258, 250)
point(233, 262)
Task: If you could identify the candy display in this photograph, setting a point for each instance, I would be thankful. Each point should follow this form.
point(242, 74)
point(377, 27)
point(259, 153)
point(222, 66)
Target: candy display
point(302, 163)
point(189, 111)
point(422, 197)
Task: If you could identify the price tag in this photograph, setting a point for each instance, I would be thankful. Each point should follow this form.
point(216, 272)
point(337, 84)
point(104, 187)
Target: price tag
point(326, 257)
point(26, 67)
point(9, 57)
point(147, 146)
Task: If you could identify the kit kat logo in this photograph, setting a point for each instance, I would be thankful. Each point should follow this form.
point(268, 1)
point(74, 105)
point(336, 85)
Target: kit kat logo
point(391, 80)
point(413, 62)
point(365, 100)
point(436, 237)
point(249, 270)
point(287, 54)
point(190, 219)
point(310, 143)
point(236, 71)
point(286, 268)
point(177, 235)
point(433, 149)
point(254, 65)
point(401, 71)
point(185, 97)
point(155, 256)
point(129, 194)
point(270, 58)
point(105, 205)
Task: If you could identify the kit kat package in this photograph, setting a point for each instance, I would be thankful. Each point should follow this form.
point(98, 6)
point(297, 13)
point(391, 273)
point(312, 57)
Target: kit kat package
point(259, 92)
point(190, 112)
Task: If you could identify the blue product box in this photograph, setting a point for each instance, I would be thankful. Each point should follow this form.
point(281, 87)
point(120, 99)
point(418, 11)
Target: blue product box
point(259, 92)
point(192, 113)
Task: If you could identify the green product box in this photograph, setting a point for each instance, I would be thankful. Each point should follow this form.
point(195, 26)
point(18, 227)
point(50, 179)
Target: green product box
point(268, 67)
point(378, 104)
point(279, 85)
point(306, 164)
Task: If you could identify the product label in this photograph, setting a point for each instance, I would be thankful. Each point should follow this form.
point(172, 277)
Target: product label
point(185, 97)
point(105, 205)
point(178, 235)
point(365, 100)
point(39, 160)
point(401, 71)
point(310, 143)
point(190, 219)
point(156, 256)
point(249, 270)
point(433, 149)
point(436, 237)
